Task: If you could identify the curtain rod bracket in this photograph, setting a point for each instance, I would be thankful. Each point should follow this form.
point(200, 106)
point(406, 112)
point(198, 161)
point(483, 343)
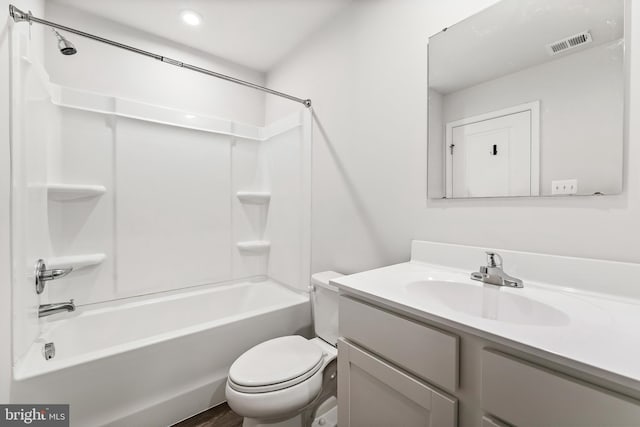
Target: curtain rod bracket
point(18, 15)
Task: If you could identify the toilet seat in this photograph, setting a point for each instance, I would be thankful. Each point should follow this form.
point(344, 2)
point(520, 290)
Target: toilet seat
point(276, 364)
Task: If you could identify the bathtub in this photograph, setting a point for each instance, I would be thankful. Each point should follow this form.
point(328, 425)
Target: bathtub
point(155, 360)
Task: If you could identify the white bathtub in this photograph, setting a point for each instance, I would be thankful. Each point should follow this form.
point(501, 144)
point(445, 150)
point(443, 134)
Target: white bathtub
point(155, 360)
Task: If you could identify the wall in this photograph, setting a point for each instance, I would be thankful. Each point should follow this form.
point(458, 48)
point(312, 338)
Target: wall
point(172, 219)
point(581, 107)
point(102, 68)
point(37, 6)
point(287, 166)
point(164, 221)
point(5, 248)
point(367, 76)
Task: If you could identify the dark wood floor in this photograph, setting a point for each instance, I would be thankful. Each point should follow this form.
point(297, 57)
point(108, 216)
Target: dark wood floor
point(220, 416)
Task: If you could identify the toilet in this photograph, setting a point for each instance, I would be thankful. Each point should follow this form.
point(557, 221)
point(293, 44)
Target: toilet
point(290, 381)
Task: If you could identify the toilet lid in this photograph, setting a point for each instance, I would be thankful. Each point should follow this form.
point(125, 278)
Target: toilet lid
point(276, 361)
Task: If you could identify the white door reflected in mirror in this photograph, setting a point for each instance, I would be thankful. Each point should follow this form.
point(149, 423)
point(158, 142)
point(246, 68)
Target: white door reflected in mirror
point(494, 154)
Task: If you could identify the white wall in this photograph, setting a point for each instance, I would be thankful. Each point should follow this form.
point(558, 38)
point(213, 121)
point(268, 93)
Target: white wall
point(581, 107)
point(102, 68)
point(287, 162)
point(37, 6)
point(5, 247)
point(367, 76)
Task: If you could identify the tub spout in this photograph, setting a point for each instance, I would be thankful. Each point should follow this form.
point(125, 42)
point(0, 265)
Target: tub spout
point(49, 309)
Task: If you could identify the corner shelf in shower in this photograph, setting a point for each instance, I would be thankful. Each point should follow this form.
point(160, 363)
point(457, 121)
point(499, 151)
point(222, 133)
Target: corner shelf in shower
point(62, 192)
point(255, 197)
point(75, 261)
point(254, 246)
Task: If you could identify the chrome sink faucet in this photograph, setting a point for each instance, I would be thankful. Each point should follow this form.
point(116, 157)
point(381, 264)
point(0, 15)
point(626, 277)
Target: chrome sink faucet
point(493, 273)
point(45, 310)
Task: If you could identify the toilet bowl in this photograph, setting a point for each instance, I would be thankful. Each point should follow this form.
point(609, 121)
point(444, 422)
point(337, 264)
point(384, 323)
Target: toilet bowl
point(283, 381)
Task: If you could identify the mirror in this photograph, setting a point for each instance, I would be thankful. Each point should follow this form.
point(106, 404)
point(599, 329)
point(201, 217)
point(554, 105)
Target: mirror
point(526, 98)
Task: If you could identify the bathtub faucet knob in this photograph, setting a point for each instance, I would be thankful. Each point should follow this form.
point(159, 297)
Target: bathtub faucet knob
point(43, 275)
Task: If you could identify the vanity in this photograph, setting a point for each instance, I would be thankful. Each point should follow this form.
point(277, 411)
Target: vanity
point(423, 344)
point(526, 100)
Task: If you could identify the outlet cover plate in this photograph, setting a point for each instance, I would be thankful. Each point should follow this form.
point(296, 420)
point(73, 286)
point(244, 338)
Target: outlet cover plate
point(565, 186)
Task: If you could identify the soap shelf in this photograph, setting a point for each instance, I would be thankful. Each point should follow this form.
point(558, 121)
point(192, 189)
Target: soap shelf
point(75, 261)
point(254, 246)
point(256, 197)
point(61, 192)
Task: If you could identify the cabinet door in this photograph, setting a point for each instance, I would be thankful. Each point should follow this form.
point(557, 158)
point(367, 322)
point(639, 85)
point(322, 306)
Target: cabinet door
point(373, 393)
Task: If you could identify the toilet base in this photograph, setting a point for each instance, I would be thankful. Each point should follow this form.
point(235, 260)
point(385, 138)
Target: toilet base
point(291, 422)
point(326, 416)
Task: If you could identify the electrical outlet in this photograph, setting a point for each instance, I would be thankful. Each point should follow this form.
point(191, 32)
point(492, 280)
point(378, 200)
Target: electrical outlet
point(565, 186)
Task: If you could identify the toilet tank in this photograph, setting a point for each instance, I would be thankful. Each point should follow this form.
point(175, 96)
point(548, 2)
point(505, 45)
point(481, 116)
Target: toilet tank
point(324, 300)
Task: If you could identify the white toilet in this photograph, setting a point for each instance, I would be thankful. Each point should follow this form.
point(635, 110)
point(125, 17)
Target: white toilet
point(289, 381)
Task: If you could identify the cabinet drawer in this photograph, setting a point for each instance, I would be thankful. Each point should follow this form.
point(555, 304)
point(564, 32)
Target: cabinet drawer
point(426, 352)
point(526, 395)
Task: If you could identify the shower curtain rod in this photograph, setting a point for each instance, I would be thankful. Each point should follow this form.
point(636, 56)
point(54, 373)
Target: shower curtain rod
point(20, 16)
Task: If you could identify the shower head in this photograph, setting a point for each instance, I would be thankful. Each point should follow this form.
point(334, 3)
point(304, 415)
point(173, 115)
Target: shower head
point(65, 46)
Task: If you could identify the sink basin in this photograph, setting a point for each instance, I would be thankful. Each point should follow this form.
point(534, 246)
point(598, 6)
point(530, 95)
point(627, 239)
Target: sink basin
point(488, 302)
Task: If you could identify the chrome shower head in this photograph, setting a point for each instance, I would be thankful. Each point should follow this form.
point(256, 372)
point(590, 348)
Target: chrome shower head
point(65, 46)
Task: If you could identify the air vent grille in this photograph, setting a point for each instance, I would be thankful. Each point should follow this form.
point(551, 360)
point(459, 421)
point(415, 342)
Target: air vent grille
point(569, 43)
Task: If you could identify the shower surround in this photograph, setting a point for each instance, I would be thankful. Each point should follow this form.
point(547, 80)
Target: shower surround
point(188, 236)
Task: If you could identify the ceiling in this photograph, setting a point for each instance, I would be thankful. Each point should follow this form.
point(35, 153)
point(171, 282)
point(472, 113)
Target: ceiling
point(512, 35)
point(254, 33)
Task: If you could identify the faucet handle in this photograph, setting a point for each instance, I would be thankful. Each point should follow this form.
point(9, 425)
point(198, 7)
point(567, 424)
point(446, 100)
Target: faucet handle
point(42, 275)
point(491, 259)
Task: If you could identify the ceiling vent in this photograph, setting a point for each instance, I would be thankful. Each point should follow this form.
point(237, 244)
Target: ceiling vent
point(569, 43)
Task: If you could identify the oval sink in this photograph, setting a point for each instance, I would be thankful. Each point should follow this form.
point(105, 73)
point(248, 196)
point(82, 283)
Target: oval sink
point(488, 302)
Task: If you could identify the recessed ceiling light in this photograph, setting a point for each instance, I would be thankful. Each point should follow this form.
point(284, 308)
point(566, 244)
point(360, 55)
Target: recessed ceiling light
point(190, 17)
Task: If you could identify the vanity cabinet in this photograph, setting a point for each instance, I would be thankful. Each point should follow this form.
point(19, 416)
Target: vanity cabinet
point(395, 369)
point(374, 393)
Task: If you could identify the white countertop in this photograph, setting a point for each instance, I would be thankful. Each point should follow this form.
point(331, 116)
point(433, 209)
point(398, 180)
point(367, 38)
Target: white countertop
point(595, 333)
